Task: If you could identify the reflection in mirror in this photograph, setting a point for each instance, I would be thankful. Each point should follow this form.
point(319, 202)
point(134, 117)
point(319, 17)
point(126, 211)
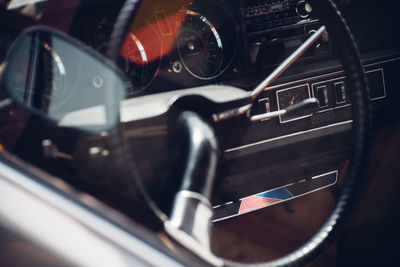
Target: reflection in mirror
point(59, 78)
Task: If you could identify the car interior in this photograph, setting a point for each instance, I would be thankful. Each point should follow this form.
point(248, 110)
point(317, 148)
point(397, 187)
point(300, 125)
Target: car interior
point(199, 132)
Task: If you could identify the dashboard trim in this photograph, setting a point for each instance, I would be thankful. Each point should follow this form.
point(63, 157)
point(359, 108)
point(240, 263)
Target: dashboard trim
point(322, 76)
point(341, 80)
point(235, 208)
point(288, 136)
point(308, 81)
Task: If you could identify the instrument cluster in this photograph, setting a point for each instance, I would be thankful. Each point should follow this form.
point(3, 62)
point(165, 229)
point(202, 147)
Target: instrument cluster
point(183, 44)
point(173, 46)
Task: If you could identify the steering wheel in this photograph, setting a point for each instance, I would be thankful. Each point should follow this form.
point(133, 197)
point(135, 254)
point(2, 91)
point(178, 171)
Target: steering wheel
point(330, 16)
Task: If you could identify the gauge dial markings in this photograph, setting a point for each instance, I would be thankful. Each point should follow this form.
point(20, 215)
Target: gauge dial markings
point(199, 46)
point(290, 96)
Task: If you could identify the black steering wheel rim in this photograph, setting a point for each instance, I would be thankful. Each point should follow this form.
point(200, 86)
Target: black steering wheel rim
point(348, 53)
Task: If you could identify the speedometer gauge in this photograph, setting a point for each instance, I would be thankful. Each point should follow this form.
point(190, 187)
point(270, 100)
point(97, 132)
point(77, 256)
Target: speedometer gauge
point(140, 54)
point(199, 46)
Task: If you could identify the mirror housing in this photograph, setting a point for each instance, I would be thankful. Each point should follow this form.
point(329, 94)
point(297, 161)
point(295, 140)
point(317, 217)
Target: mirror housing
point(61, 79)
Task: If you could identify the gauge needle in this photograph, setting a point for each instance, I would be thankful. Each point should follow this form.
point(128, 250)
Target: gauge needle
point(287, 62)
point(292, 100)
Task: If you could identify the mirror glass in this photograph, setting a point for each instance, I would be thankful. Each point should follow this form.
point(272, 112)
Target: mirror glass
point(60, 78)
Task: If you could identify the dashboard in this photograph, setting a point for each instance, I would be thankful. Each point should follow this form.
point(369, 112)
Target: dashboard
point(237, 43)
point(174, 47)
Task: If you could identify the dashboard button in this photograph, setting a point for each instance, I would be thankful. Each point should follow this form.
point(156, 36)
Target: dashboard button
point(264, 106)
point(340, 92)
point(376, 84)
point(321, 93)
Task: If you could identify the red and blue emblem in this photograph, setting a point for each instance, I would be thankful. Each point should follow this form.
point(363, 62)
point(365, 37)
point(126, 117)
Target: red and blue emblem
point(273, 196)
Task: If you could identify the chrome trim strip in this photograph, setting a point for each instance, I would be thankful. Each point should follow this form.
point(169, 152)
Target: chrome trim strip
point(287, 136)
point(322, 76)
point(284, 186)
point(382, 62)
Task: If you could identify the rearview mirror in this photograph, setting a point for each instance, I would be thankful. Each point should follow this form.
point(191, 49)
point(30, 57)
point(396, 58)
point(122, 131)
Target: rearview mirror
point(63, 80)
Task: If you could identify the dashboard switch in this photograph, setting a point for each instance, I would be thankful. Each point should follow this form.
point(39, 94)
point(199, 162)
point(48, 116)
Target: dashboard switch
point(376, 84)
point(265, 105)
point(321, 93)
point(340, 92)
